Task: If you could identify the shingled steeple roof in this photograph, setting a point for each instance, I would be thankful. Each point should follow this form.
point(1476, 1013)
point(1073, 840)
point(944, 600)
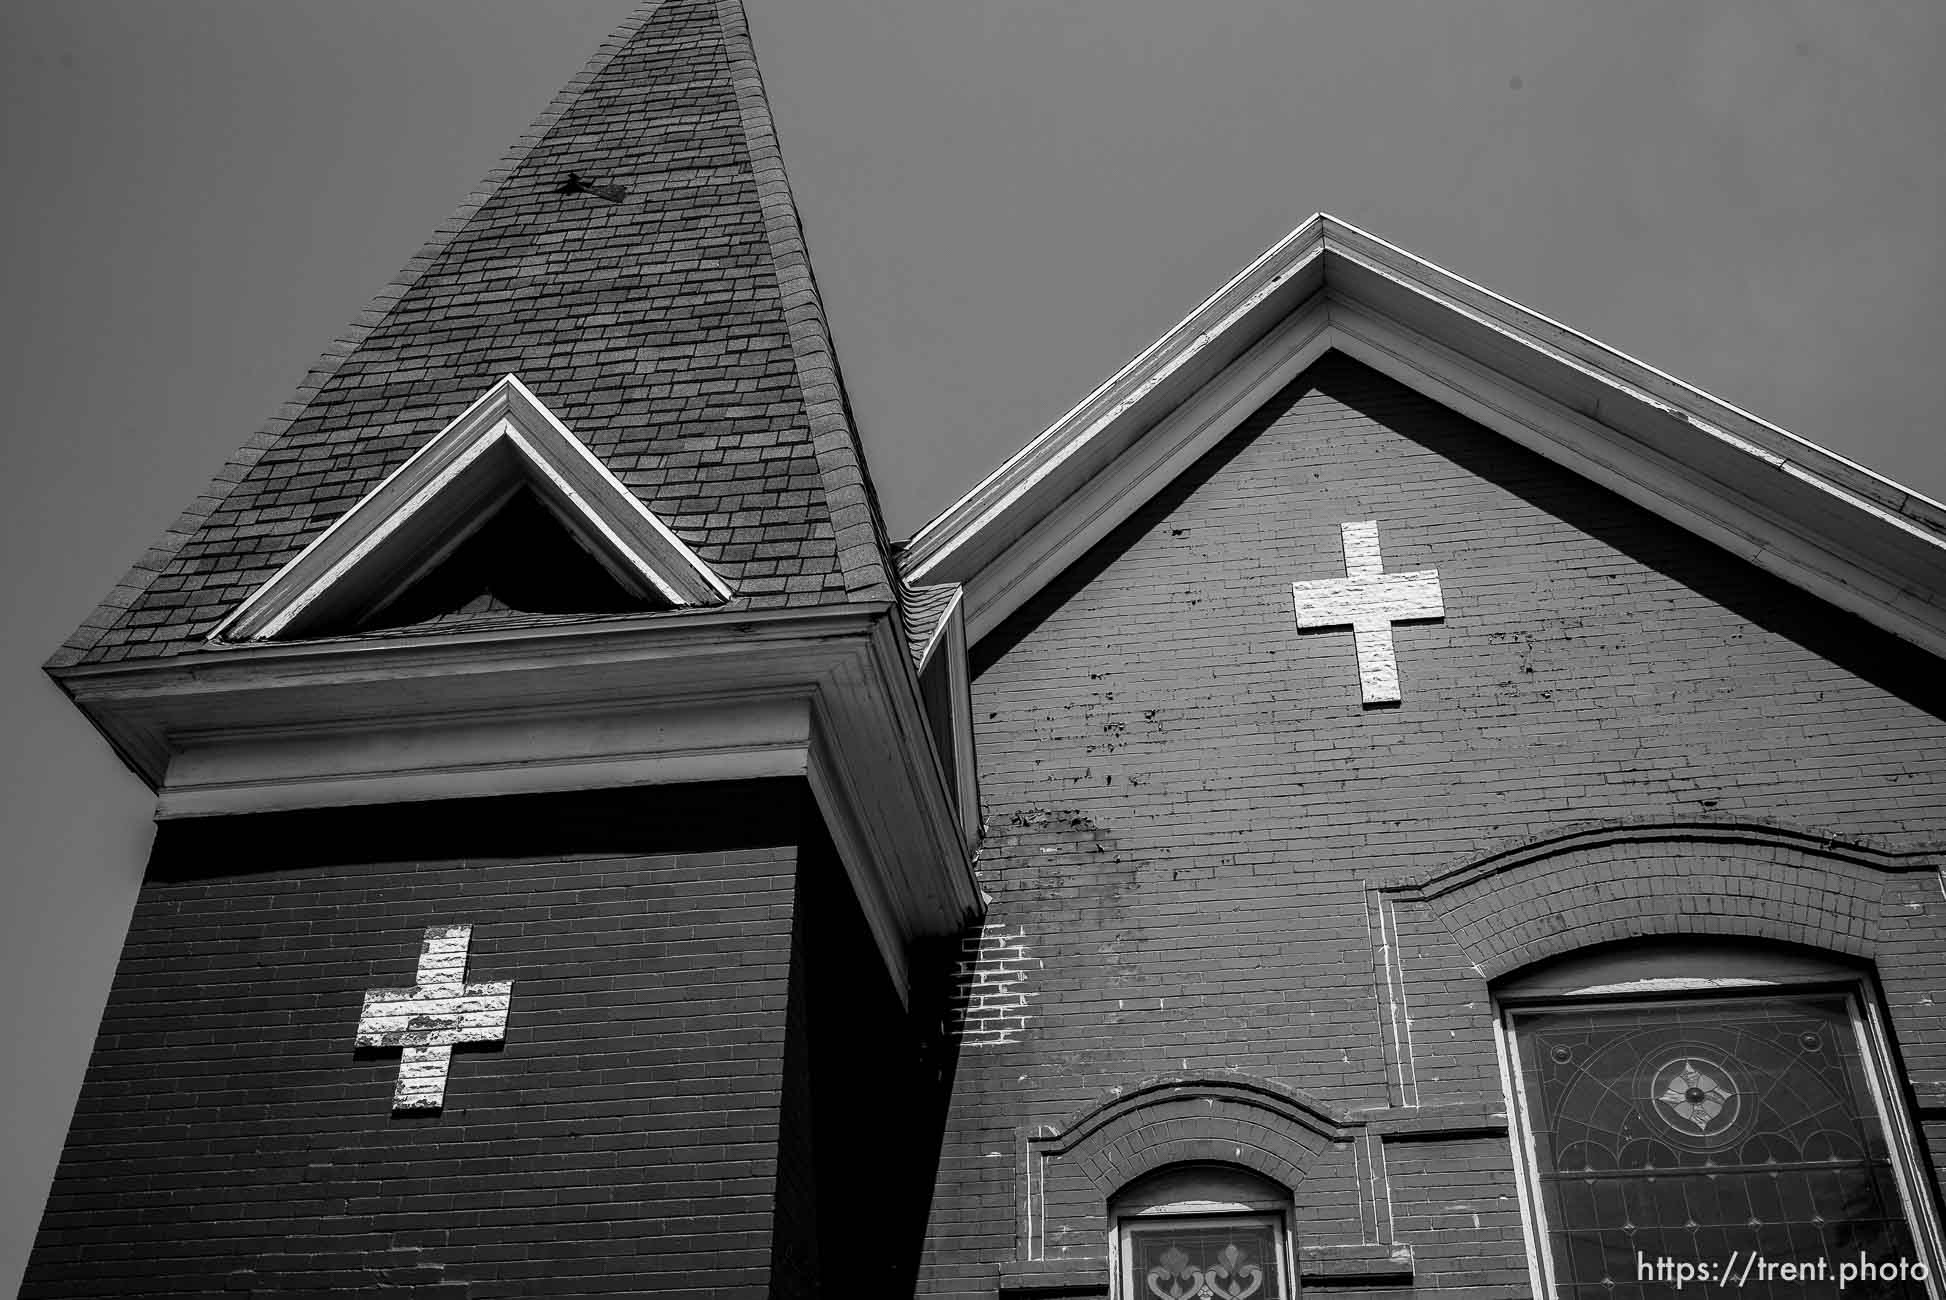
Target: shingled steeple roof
point(637, 262)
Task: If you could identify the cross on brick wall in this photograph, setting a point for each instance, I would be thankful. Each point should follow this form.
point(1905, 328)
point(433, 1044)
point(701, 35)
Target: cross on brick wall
point(1370, 601)
point(429, 1018)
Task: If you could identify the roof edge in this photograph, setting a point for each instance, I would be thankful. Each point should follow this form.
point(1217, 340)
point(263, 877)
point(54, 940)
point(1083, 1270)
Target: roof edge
point(617, 526)
point(991, 496)
point(1831, 526)
point(154, 560)
point(1343, 239)
point(864, 547)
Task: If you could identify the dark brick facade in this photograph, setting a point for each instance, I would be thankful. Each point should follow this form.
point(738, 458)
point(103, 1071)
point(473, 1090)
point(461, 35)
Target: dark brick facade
point(1226, 871)
point(686, 971)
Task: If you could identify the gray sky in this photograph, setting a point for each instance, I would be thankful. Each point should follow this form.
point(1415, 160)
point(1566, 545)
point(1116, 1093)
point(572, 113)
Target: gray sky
point(1004, 200)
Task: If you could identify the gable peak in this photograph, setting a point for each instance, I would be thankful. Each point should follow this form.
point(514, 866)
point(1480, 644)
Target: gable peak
point(505, 444)
point(1813, 518)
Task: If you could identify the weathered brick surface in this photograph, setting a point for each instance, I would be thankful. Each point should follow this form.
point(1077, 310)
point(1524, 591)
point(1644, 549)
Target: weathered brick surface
point(1457, 1207)
point(1191, 816)
point(677, 332)
point(1190, 1119)
point(651, 1124)
point(988, 1001)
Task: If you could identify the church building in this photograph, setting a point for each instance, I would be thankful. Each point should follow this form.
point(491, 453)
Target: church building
point(1387, 797)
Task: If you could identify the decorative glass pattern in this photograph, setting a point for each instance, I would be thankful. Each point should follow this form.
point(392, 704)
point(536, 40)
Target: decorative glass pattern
point(1207, 1258)
point(1707, 1131)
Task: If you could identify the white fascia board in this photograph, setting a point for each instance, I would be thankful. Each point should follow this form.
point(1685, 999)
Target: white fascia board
point(966, 758)
point(1106, 421)
point(476, 757)
point(868, 729)
point(948, 639)
point(1349, 246)
point(1658, 483)
point(450, 485)
point(1813, 518)
point(824, 694)
point(1128, 481)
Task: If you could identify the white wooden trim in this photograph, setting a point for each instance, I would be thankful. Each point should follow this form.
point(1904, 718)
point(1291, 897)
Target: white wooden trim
point(1520, 1139)
point(1812, 518)
point(1657, 483)
point(954, 604)
point(1910, 1161)
point(852, 839)
point(966, 758)
point(1087, 422)
point(447, 489)
point(949, 637)
point(825, 693)
point(504, 752)
point(1132, 479)
point(1348, 245)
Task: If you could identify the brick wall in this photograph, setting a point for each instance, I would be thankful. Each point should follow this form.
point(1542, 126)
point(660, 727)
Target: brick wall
point(1190, 812)
point(629, 1137)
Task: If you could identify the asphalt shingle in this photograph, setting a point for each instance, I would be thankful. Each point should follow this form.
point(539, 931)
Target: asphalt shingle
point(678, 332)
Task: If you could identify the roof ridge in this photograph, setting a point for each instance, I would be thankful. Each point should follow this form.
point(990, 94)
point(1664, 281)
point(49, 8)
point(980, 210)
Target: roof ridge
point(1829, 526)
point(864, 547)
point(153, 561)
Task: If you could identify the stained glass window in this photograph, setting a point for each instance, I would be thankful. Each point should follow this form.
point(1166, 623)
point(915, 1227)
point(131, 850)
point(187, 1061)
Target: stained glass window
point(1205, 1258)
point(1204, 1232)
point(1733, 1133)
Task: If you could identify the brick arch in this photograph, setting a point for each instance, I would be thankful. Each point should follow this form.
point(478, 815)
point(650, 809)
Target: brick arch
point(1547, 897)
point(1173, 1119)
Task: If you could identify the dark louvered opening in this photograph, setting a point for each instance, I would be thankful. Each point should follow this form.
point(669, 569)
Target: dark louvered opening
point(522, 561)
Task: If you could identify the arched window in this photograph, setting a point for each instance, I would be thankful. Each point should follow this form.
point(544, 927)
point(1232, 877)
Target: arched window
point(1685, 1106)
point(1211, 1232)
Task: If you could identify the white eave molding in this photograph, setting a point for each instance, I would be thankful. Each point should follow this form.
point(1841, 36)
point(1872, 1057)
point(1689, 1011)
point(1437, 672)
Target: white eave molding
point(429, 505)
point(263, 720)
point(824, 694)
point(1813, 518)
point(946, 652)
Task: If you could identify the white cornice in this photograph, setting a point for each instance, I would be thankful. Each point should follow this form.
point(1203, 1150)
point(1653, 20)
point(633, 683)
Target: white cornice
point(827, 695)
point(431, 503)
point(1813, 518)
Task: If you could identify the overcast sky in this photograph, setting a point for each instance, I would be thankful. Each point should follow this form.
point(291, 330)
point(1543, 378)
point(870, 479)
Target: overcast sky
point(1004, 200)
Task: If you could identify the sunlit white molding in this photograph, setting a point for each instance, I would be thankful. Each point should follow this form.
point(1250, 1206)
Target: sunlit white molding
point(824, 694)
point(944, 660)
point(427, 507)
point(1811, 517)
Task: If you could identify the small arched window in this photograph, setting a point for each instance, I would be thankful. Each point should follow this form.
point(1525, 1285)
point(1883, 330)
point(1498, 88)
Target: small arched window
point(1685, 1106)
point(1208, 1232)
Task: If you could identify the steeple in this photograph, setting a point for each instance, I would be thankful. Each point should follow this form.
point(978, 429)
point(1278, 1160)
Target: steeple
point(548, 643)
point(586, 462)
point(636, 262)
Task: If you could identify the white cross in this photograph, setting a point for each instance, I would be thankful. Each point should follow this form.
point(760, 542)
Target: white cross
point(1370, 601)
point(427, 1019)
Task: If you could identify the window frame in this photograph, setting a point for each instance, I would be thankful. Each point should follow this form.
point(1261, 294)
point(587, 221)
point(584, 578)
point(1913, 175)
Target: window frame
point(1752, 973)
point(1270, 1208)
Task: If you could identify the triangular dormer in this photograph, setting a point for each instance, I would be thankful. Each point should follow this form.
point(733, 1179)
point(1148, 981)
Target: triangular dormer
point(461, 529)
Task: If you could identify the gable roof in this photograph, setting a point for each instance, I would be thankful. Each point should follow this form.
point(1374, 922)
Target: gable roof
point(676, 329)
point(1830, 526)
point(449, 488)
